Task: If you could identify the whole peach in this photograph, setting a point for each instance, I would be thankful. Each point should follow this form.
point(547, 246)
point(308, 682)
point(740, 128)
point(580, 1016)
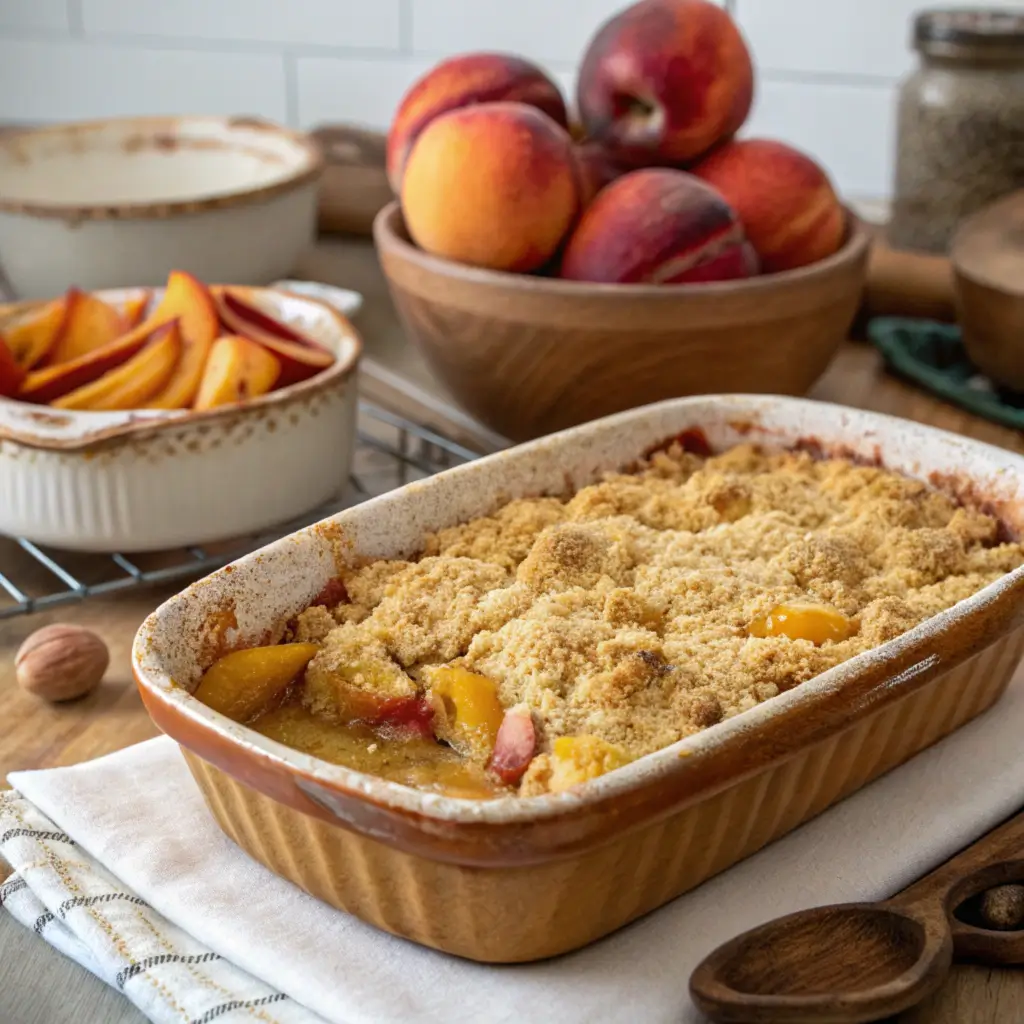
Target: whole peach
point(658, 226)
point(665, 80)
point(494, 185)
point(597, 169)
point(461, 82)
point(784, 200)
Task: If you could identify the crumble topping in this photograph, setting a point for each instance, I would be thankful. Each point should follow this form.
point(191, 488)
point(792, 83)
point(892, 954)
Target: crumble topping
point(622, 615)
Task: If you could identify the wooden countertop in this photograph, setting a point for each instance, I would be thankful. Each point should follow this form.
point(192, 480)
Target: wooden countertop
point(36, 735)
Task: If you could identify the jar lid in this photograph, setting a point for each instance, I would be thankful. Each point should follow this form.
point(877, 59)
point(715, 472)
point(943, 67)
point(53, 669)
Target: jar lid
point(974, 31)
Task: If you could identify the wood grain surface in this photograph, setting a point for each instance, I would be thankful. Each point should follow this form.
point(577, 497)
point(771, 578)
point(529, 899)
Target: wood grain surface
point(36, 735)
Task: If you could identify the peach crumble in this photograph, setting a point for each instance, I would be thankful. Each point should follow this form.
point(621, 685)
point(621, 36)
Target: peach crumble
point(560, 638)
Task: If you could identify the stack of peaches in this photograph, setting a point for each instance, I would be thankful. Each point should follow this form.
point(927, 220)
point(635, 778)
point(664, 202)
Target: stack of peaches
point(651, 186)
point(200, 347)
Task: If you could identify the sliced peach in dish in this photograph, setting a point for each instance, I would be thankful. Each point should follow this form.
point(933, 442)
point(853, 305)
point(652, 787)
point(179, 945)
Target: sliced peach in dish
point(134, 381)
point(515, 745)
point(11, 374)
point(300, 357)
point(813, 622)
point(242, 683)
point(134, 310)
point(236, 369)
point(469, 712)
point(188, 301)
point(31, 338)
point(53, 382)
point(577, 759)
point(88, 323)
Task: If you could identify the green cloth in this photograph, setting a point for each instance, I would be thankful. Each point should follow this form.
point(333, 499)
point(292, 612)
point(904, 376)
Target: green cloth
point(932, 355)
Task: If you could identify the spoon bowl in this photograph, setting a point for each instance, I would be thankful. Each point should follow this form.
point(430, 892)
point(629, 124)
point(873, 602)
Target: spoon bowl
point(834, 965)
point(857, 962)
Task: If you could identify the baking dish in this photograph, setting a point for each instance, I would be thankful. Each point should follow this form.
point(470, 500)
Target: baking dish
point(527, 878)
point(144, 480)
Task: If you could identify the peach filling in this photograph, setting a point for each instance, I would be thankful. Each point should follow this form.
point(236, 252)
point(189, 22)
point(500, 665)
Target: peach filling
point(816, 623)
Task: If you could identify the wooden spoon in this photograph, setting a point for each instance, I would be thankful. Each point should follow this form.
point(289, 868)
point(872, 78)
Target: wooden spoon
point(857, 962)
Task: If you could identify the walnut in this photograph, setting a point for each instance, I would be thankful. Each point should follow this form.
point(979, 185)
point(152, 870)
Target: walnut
point(61, 662)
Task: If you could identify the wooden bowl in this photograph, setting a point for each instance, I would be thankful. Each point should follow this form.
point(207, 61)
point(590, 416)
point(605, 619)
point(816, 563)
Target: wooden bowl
point(987, 253)
point(530, 355)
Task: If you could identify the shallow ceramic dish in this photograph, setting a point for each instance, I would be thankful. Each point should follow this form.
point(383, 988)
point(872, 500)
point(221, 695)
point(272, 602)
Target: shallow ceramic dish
point(145, 480)
point(102, 204)
point(520, 879)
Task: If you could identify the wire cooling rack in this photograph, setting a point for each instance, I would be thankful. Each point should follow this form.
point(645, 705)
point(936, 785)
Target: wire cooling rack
point(391, 450)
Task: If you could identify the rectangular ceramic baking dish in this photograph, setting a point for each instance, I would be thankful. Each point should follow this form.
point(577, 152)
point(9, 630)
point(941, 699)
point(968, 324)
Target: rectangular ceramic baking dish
point(522, 879)
point(148, 480)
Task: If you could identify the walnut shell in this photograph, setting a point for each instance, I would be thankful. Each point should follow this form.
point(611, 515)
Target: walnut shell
point(61, 662)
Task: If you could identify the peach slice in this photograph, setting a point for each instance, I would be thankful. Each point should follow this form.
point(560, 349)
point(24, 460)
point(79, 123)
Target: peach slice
point(32, 338)
point(135, 309)
point(88, 323)
point(53, 382)
point(189, 301)
point(242, 683)
point(134, 381)
point(300, 357)
point(469, 712)
point(236, 369)
point(515, 745)
point(577, 759)
point(11, 374)
point(798, 621)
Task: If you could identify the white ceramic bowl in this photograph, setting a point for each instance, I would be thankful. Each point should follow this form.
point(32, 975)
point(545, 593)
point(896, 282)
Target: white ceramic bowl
point(104, 204)
point(147, 480)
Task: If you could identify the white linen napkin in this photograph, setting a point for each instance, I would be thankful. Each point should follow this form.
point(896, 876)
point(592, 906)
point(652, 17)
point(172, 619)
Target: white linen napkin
point(150, 889)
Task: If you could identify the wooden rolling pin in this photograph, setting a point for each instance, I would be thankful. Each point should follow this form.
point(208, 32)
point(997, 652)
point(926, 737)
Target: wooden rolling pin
point(355, 187)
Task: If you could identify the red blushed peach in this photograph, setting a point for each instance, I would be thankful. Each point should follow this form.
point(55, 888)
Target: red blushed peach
point(597, 168)
point(665, 80)
point(465, 81)
point(784, 200)
point(658, 226)
point(494, 185)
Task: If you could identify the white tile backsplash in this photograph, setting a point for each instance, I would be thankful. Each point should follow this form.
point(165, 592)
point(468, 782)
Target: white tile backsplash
point(34, 15)
point(364, 92)
point(343, 23)
point(544, 30)
point(828, 67)
point(53, 80)
point(849, 129)
point(837, 37)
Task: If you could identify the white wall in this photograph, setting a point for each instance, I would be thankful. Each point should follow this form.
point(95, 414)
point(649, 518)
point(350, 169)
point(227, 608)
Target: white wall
point(828, 68)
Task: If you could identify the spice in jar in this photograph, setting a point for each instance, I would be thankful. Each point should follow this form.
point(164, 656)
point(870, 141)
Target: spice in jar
point(960, 123)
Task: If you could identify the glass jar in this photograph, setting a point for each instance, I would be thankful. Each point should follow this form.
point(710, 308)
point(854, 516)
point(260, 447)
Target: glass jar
point(960, 123)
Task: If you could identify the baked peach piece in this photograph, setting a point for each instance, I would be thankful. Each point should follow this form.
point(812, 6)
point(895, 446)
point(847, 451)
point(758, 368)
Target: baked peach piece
point(464, 81)
point(784, 199)
point(492, 186)
point(658, 226)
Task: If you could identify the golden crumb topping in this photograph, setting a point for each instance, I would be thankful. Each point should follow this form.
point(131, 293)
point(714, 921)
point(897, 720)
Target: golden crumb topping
point(657, 603)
